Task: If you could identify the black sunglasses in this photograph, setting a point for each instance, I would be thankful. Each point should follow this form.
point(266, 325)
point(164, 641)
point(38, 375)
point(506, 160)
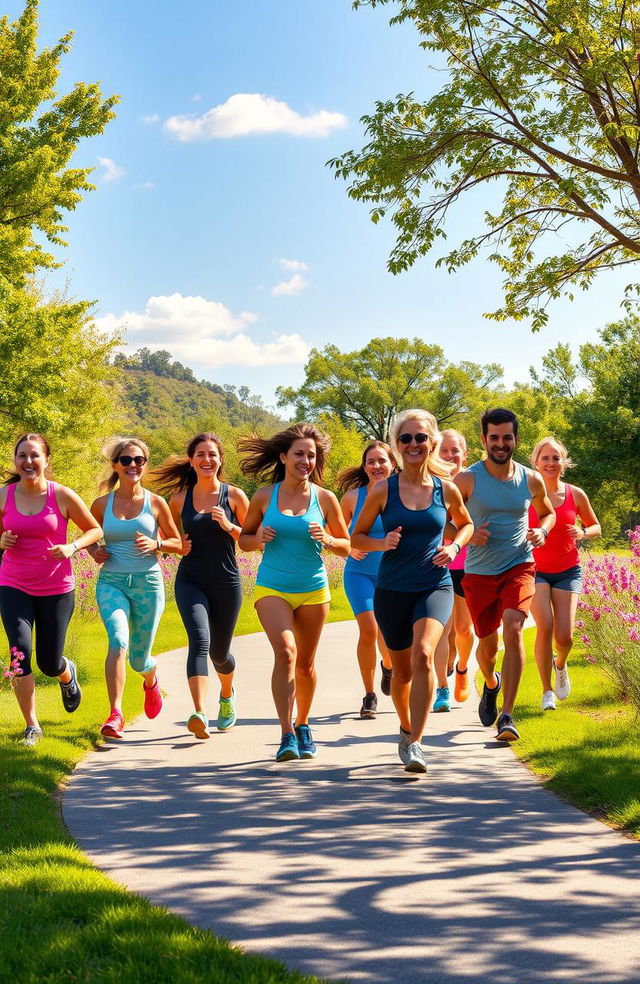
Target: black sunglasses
point(127, 459)
point(418, 438)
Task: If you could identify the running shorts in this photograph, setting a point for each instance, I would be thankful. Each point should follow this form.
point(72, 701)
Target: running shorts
point(489, 596)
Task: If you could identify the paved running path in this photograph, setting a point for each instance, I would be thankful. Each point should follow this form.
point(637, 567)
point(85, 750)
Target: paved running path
point(346, 866)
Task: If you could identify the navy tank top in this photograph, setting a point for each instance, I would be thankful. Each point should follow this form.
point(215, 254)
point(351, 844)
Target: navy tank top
point(213, 550)
point(410, 566)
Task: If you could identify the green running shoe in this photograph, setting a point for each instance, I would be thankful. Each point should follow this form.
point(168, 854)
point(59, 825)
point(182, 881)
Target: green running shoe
point(198, 725)
point(288, 748)
point(227, 712)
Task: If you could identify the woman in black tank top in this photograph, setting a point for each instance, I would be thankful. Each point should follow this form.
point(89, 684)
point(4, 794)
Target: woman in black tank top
point(209, 514)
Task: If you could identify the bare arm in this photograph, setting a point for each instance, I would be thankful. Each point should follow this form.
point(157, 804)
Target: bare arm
point(591, 527)
point(253, 534)
point(169, 539)
point(97, 551)
point(337, 541)
point(74, 508)
point(544, 509)
point(347, 504)
point(176, 503)
point(461, 521)
point(239, 505)
point(374, 504)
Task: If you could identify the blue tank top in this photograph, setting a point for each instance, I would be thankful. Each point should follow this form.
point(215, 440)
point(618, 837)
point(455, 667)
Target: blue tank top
point(371, 562)
point(292, 561)
point(120, 535)
point(505, 507)
point(410, 566)
point(213, 551)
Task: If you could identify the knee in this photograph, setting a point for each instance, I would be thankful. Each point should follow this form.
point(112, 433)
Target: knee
point(563, 638)
point(285, 653)
point(464, 631)
point(512, 627)
point(402, 674)
point(225, 665)
point(368, 635)
point(305, 668)
point(117, 654)
point(422, 658)
point(142, 664)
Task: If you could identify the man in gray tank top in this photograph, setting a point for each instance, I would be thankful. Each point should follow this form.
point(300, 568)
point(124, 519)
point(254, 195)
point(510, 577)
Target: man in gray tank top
point(499, 574)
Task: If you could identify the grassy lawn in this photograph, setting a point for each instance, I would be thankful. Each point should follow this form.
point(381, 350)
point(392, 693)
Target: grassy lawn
point(62, 919)
point(588, 750)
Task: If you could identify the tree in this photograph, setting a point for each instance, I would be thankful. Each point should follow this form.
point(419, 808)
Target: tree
point(542, 100)
point(366, 388)
point(39, 133)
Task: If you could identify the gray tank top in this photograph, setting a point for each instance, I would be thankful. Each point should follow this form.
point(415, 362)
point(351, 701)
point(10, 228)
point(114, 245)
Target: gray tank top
point(505, 507)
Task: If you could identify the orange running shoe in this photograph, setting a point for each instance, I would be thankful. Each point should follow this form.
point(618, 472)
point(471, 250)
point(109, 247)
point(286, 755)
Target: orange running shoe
point(461, 690)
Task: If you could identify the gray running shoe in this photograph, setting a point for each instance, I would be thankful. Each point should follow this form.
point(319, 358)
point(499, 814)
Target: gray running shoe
point(403, 746)
point(31, 736)
point(416, 761)
point(562, 682)
point(369, 707)
point(507, 730)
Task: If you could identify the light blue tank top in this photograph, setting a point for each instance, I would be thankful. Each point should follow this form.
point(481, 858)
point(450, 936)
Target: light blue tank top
point(292, 561)
point(120, 535)
point(505, 507)
point(371, 562)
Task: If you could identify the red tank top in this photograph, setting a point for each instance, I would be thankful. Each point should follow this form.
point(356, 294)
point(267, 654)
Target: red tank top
point(560, 550)
point(27, 566)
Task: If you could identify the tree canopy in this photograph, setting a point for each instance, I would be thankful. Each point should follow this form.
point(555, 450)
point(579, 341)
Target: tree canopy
point(542, 100)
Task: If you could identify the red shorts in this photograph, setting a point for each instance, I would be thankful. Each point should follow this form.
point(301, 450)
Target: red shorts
point(488, 596)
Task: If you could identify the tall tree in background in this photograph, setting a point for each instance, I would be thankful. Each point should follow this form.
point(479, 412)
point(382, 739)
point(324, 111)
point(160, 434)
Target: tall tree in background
point(543, 102)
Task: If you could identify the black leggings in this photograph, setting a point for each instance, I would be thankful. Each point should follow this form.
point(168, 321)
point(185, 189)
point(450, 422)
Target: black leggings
point(210, 618)
point(50, 614)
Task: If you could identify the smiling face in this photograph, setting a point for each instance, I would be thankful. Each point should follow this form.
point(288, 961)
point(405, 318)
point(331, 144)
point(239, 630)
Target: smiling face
point(452, 450)
point(206, 460)
point(377, 465)
point(550, 462)
point(133, 471)
point(30, 460)
point(500, 442)
point(414, 452)
point(300, 460)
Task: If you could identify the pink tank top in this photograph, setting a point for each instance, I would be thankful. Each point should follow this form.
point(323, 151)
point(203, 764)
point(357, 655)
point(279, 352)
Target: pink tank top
point(560, 552)
point(27, 566)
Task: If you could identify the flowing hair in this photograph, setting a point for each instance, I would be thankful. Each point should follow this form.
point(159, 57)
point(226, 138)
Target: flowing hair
point(177, 473)
point(558, 446)
point(435, 464)
point(112, 451)
point(12, 476)
point(355, 477)
point(261, 455)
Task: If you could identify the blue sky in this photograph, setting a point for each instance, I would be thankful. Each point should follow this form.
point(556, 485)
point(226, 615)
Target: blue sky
point(186, 237)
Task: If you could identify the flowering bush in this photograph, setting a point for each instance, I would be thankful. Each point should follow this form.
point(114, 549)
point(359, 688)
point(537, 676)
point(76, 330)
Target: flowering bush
point(609, 617)
point(8, 672)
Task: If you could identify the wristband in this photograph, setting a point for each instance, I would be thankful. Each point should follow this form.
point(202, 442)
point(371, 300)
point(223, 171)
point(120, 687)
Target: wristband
point(75, 547)
point(457, 546)
point(544, 532)
point(330, 543)
point(159, 544)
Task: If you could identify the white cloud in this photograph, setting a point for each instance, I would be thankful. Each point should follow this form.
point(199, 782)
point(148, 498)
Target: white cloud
point(245, 114)
point(288, 288)
point(196, 97)
point(293, 265)
point(202, 334)
point(151, 118)
point(145, 186)
point(112, 171)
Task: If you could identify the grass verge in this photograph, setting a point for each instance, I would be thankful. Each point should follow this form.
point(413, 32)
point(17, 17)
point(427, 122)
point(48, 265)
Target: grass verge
point(62, 919)
point(588, 750)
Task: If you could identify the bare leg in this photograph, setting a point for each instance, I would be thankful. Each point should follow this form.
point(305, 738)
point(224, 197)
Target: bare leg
point(115, 671)
point(401, 685)
point(442, 655)
point(426, 635)
point(199, 685)
point(463, 628)
point(486, 654)
point(276, 618)
point(366, 651)
point(514, 657)
point(226, 684)
point(308, 621)
point(543, 617)
point(565, 604)
point(25, 691)
point(384, 652)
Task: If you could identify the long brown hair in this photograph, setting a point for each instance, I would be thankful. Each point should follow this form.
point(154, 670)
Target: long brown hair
point(177, 473)
point(355, 477)
point(262, 454)
point(112, 450)
point(39, 439)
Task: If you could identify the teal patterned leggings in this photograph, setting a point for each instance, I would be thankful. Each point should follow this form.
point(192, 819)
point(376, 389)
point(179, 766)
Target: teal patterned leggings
point(130, 606)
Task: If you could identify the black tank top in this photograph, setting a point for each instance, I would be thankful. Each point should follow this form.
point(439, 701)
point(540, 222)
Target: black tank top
point(213, 551)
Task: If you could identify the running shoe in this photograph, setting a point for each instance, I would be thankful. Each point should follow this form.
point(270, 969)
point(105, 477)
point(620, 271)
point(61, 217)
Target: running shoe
point(562, 683)
point(403, 746)
point(443, 700)
point(416, 761)
point(152, 699)
point(227, 712)
point(31, 736)
point(461, 689)
point(113, 727)
point(306, 744)
point(71, 693)
point(548, 701)
point(385, 685)
point(198, 725)
point(288, 748)
point(369, 707)
point(488, 706)
point(507, 730)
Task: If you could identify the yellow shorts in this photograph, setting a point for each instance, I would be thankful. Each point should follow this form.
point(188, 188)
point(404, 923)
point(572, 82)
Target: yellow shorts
point(321, 596)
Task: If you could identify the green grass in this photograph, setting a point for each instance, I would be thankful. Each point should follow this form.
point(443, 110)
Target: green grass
point(588, 750)
point(62, 919)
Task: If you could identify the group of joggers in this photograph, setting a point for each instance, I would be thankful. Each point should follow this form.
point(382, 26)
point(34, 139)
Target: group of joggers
point(434, 552)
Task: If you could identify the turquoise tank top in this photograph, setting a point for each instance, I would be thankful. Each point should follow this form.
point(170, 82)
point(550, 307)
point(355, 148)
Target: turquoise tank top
point(120, 535)
point(410, 566)
point(371, 562)
point(505, 507)
point(292, 561)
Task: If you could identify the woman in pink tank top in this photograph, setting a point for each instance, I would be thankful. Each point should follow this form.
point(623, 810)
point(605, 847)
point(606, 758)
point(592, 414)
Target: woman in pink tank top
point(558, 572)
point(36, 579)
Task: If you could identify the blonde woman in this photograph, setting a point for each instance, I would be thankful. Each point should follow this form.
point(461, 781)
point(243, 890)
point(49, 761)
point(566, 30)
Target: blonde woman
point(414, 597)
point(558, 572)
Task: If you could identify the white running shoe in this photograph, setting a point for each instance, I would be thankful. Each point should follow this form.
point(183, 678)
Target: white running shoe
point(562, 682)
point(403, 746)
point(548, 701)
point(416, 761)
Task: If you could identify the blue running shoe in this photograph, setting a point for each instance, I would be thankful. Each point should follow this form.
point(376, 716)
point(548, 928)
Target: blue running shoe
point(288, 748)
point(306, 744)
point(443, 700)
point(227, 712)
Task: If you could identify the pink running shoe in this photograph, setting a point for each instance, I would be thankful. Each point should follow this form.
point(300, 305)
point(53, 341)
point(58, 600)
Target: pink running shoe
point(113, 727)
point(152, 699)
